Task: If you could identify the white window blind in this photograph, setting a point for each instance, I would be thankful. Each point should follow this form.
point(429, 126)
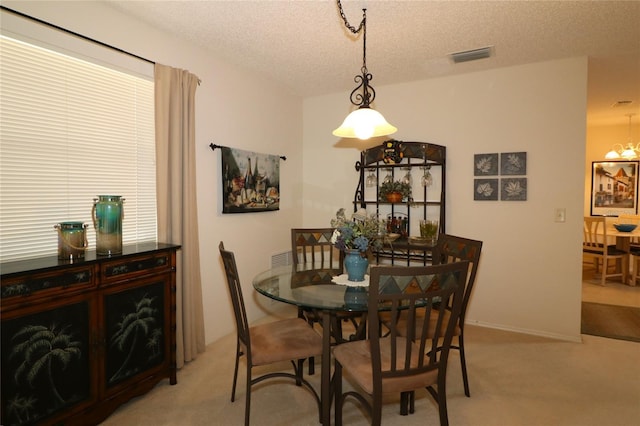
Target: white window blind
point(70, 130)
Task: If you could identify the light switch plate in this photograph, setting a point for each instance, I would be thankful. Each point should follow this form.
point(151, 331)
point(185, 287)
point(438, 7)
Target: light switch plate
point(560, 214)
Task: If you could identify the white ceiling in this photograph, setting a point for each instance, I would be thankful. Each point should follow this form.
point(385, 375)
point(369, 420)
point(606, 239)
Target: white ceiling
point(305, 46)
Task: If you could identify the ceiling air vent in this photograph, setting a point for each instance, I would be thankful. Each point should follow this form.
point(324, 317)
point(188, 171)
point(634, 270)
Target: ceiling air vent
point(471, 55)
point(622, 104)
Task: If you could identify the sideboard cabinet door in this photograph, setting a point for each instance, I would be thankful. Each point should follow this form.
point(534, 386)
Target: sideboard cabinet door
point(48, 361)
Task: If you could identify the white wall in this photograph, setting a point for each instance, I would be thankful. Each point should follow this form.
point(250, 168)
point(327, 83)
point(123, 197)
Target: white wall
point(529, 278)
point(530, 272)
point(234, 108)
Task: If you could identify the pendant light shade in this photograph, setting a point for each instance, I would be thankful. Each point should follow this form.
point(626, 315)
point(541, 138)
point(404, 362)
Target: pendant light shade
point(364, 123)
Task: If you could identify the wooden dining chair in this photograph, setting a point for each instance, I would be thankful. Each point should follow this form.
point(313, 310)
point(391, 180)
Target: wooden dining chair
point(634, 247)
point(449, 249)
point(284, 340)
point(596, 245)
point(400, 363)
point(311, 248)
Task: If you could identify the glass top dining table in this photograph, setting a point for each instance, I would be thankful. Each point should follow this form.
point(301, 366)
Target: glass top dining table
point(311, 289)
point(308, 288)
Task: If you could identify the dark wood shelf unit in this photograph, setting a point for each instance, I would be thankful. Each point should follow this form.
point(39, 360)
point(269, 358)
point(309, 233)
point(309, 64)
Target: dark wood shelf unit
point(426, 203)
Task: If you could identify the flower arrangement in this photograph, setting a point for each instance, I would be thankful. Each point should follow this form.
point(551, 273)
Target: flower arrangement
point(390, 187)
point(360, 232)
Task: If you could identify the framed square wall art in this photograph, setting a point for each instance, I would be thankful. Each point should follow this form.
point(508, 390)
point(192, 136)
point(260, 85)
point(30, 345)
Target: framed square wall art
point(513, 189)
point(614, 188)
point(485, 164)
point(513, 163)
point(485, 189)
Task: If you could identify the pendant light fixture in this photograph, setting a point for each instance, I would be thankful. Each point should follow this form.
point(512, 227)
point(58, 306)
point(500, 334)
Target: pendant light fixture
point(364, 122)
point(628, 152)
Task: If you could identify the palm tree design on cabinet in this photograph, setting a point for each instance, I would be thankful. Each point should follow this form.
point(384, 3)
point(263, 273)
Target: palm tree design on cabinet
point(137, 336)
point(46, 355)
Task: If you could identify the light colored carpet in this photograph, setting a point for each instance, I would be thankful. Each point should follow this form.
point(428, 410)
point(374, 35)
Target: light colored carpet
point(515, 379)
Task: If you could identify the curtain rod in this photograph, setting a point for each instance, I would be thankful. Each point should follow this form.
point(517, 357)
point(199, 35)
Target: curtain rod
point(49, 24)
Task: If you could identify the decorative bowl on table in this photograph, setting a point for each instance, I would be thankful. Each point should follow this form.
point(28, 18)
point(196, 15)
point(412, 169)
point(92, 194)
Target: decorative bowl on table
point(625, 227)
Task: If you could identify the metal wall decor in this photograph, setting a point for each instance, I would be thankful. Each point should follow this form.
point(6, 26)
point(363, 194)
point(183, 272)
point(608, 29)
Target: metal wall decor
point(510, 188)
point(250, 181)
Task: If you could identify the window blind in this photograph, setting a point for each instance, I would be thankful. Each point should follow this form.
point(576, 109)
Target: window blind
point(70, 130)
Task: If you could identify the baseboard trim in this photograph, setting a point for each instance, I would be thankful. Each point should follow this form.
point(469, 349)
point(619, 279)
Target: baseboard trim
point(556, 336)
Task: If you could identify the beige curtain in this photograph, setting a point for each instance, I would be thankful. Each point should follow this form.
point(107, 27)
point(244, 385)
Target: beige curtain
point(176, 197)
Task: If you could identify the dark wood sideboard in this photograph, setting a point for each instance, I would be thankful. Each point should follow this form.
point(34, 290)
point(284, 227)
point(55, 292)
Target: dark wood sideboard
point(81, 338)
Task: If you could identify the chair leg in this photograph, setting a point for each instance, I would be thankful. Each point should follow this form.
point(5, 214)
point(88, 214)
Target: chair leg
point(235, 373)
point(312, 364)
point(463, 363)
point(299, 370)
point(404, 403)
point(337, 391)
point(247, 400)
point(442, 400)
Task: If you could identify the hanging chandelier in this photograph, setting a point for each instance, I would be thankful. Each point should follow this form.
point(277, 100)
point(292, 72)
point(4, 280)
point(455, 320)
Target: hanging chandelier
point(628, 152)
point(365, 122)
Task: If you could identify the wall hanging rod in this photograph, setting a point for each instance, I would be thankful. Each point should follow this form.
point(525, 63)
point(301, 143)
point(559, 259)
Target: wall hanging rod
point(213, 147)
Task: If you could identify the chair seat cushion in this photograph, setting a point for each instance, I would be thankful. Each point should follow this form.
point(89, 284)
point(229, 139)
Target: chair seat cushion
point(612, 250)
point(355, 357)
point(284, 340)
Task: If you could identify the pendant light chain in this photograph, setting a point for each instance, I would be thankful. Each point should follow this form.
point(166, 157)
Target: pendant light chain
point(362, 27)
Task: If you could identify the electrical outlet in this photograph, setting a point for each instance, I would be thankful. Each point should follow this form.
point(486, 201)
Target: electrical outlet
point(560, 214)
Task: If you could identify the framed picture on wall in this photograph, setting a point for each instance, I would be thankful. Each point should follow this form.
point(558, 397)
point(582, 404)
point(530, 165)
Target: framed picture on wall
point(614, 188)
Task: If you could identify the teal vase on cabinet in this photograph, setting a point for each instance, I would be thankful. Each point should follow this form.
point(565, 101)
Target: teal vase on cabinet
point(107, 214)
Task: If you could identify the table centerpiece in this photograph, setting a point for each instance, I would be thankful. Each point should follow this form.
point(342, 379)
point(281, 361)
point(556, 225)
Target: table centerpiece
point(356, 237)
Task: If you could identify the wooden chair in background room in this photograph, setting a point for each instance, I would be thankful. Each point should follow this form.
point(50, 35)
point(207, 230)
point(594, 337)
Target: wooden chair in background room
point(284, 340)
point(596, 245)
point(400, 363)
point(634, 247)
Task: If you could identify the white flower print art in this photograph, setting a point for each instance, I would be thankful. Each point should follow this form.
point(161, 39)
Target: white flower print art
point(485, 189)
point(513, 163)
point(513, 189)
point(485, 164)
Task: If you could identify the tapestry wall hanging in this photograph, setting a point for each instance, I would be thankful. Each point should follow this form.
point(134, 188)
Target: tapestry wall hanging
point(250, 181)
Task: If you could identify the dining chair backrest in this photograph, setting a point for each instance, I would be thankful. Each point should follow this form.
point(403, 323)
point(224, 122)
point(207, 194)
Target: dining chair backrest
point(235, 291)
point(595, 238)
point(451, 248)
point(312, 248)
point(401, 353)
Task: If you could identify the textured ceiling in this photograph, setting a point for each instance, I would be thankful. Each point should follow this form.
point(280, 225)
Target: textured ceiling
point(305, 46)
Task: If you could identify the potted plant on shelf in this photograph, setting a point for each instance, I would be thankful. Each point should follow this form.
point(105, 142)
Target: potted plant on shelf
point(394, 192)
